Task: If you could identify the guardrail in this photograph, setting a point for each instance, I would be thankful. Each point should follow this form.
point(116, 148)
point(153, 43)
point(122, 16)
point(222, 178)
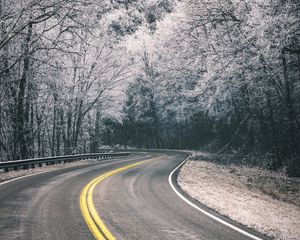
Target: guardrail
point(40, 162)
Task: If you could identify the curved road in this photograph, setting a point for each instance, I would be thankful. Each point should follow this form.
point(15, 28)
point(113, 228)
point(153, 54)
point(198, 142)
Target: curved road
point(137, 203)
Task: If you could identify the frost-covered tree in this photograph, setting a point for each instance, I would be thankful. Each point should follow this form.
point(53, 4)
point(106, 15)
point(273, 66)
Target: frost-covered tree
point(59, 61)
point(232, 67)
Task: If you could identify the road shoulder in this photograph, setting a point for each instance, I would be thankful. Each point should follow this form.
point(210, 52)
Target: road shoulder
point(220, 188)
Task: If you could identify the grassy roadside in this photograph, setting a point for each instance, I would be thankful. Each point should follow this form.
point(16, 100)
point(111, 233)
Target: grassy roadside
point(264, 200)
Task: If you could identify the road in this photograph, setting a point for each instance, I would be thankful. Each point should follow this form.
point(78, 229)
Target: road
point(134, 203)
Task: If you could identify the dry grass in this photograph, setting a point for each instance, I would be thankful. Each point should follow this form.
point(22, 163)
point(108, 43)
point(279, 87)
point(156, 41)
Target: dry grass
point(260, 199)
point(276, 185)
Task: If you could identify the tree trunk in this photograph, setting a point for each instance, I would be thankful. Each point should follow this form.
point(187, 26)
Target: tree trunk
point(39, 125)
point(277, 162)
point(21, 128)
point(289, 104)
point(32, 150)
point(59, 132)
point(54, 125)
point(68, 137)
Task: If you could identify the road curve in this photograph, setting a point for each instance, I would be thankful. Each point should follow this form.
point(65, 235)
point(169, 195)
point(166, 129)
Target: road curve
point(137, 203)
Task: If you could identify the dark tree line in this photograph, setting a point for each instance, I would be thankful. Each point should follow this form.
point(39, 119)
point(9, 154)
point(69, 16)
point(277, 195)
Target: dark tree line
point(222, 76)
point(59, 61)
point(226, 80)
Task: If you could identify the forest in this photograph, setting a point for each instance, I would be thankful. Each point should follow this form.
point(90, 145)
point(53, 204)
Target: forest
point(221, 76)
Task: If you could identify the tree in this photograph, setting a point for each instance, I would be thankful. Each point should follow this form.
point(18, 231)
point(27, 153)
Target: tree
point(59, 61)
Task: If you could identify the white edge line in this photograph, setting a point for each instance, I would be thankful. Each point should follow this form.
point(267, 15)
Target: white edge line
point(29, 175)
point(205, 212)
point(33, 174)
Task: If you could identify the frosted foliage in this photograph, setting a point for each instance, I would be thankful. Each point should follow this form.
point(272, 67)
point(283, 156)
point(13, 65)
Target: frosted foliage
point(218, 74)
point(227, 76)
point(61, 62)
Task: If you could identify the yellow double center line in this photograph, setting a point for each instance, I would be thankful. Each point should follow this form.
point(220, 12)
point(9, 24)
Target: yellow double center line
point(87, 206)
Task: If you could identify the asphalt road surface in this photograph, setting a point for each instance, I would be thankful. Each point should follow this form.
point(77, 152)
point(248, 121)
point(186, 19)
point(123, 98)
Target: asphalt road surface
point(135, 203)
